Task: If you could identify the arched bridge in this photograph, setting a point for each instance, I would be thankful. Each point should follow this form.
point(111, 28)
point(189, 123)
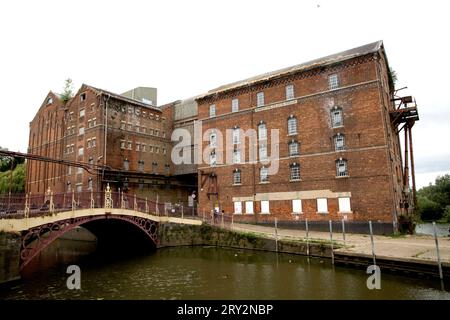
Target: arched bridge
point(41, 219)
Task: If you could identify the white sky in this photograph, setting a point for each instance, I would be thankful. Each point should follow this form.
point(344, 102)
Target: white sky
point(188, 47)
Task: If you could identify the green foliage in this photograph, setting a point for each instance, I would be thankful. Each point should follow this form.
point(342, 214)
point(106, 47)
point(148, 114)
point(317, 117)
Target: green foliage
point(17, 182)
point(67, 91)
point(392, 75)
point(433, 201)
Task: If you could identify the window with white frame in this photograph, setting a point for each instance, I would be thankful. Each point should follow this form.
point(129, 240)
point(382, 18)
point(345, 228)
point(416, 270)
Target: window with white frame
point(238, 207)
point(213, 139)
point(344, 204)
point(237, 156)
point(122, 144)
point(80, 131)
point(297, 206)
point(82, 112)
point(290, 92)
point(293, 148)
point(212, 110)
point(138, 146)
point(295, 172)
point(236, 135)
point(260, 99)
point(83, 97)
point(341, 168)
point(292, 125)
point(130, 126)
point(90, 184)
point(265, 207)
point(262, 131)
point(322, 205)
point(130, 145)
point(94, 142)
point(89, 143)
point(79, 170)
point(237, 176)
point(249, 207)
point(79, 187)
point(333, 81)
point(212, 159)
point(126, 164)
point(262, 150)
point(80, 151)
point(234, 105)
point(263, 174)
point(336, 117)
point(141, 165)
point(339, 142)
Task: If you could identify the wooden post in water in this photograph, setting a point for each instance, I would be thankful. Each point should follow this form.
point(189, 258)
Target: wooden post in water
point(373, 245)
point(331, 241)
point(441, 276)
point(307, 237)
point(182, 212)
point(343, 230)
point(276, 235)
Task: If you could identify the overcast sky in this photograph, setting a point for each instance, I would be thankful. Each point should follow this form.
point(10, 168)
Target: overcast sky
point(188, 47)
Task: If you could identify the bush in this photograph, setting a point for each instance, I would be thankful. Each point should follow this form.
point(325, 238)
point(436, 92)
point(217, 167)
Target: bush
point(446, 214)
point(428, 209)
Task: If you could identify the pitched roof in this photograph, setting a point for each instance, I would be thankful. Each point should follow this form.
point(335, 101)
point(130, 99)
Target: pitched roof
point(120, 97)
point(334, 58)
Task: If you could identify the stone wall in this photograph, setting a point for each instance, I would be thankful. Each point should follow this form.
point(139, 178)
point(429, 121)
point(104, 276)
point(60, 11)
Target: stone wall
point(9, 256)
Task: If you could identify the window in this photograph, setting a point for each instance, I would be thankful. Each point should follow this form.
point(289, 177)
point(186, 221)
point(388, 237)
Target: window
point(154, 166)
point(263, 174)
point(344, 204)
point(212, 110)
point(249, 207)
point(236, 135)
point(80, 151)
point(83, 97)
point(295, 172)
point(164, 151)
point(89, 123)
point(141, 184)
point(138, 146)
point(265, 206)
point(130, 145)
point(289, 92)
point(322, 205)
point(94, 142)
point(82, 113)
point(262, 151)
point(94, 122)
point(79, 170)
point(80, 131)
point(143, 147)
point(336, 117)
point(126, 164)
point(156, 149)
point(79, 187)
point(238, 207)
point(167, 168)
point(49, 101)
point(144, 130)
point(122, 144)
point(141, 165)
point(90, 184)
point(297, 206)
point(237, 176)
point(157, 133)
point(69, 171)
point(260, 99)
point(234, 105)
point(130, 126)
point(293, 148)
point(212, 159)
point(236, 156)
point(262, 131)
point(150, 149)
point(89, 143)
point(339, 142)
point(163, 134)
point(137, 128)
point(341, 168)
point(292, 125)
point(69, 186)
point(333, 81)
point(213, 139)
point(91, 162)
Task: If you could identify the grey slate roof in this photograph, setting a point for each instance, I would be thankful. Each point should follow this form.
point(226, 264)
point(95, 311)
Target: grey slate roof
point(337, 57)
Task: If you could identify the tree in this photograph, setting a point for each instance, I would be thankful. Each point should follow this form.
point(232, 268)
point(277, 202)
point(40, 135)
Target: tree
point(67, 91)
point(433, 201)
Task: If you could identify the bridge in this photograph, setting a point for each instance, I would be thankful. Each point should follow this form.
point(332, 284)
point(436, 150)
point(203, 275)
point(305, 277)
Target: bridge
point(115, 218)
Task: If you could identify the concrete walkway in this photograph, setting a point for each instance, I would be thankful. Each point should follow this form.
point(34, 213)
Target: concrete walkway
point(406, 247)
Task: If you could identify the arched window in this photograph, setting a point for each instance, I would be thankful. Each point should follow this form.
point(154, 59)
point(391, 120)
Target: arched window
point(336, 117)
point(292, 125)
point(262, 131)
point(213, 139)
point(237, 156)
point(263, 174)
point(339, 142)
point(293, 148)
point(49, 101)
point(237, 176)
point(341, 168)
point(295, 171)
point(236, 135)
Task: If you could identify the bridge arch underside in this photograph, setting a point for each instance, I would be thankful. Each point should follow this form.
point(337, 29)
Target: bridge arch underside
point(115, 234)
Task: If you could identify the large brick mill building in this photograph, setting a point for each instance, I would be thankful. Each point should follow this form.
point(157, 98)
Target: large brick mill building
point(338, 150)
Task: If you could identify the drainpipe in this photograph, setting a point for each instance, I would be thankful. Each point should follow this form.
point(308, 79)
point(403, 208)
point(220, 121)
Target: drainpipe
point(105, 138)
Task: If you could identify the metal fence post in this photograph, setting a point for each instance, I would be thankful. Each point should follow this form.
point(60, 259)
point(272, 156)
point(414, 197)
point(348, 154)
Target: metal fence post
point(373, 245)
point(182, 212)
point(276, 235)
point(307, 237)
point(441, 276)
point(343, 230)
point(331, 241)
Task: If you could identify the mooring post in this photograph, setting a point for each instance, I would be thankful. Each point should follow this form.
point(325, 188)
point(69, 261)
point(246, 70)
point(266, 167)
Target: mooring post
point(73, 200)
point(307, 237)
point(331, 241)
point(223, 222)
point(343, 230)
point(157, 208)
point(276, 235)
point(26, 210)
point(373, 245)
point(232, 221)
point(182, 211)
point(441, 276)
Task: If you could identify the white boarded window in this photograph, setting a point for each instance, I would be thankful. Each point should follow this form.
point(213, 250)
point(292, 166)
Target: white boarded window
point(322, 205)
point(289, 92)
point(265, 206)
point(249, 207)
point(297, 206)
point(237, 207)
point(260, 99)
point(212, 110)
point(333, 81)
point(234, 105)
point(344, 204)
